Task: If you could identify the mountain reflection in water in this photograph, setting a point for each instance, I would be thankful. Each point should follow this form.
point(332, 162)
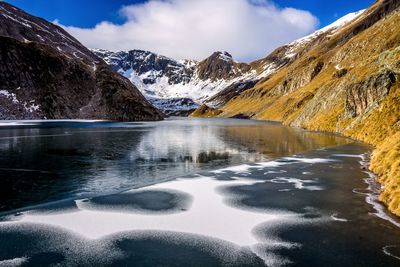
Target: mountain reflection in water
point(45, 161)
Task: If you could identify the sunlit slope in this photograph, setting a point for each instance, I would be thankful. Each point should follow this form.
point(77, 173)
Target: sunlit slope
point(348, 82)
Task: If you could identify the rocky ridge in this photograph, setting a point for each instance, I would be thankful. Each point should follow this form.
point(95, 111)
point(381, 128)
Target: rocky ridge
point(45, 73)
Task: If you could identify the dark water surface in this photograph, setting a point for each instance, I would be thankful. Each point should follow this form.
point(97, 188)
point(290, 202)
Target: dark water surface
point(53, 160)
point(247, 194)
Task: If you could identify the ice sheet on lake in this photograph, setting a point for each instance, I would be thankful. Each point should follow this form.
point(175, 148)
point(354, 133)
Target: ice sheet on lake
point(208, 215)
point(206, 212)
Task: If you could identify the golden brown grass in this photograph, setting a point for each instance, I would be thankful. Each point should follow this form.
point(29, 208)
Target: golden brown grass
point(385, 163)
point(205, 112)
point(320, 104)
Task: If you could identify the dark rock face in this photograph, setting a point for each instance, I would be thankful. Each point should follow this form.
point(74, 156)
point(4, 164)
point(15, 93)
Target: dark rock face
point(24, 27)
point(340, 73)
point(34, 73)
point(117, 99)
point(241, 116)
point(46, 73)
point(220, 66)
point(317, 69)
point(298, 79)
point(366, 95)
point(39, 82)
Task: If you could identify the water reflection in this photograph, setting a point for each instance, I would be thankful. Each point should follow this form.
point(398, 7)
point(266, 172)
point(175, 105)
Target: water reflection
point(206, 157)
point(50, 161)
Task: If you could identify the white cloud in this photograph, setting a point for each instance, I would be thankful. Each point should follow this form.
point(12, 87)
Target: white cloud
point(248, 29)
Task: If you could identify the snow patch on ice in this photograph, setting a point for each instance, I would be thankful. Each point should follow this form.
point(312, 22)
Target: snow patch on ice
point(207, 203)
point(13, 262)
point(348, 156)
point(245, 168)
point(298, 183)
point(387, 251)
point(336, 218)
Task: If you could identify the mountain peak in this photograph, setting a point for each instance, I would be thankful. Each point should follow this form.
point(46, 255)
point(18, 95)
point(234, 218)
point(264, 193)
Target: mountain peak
point(218, 55)
point(220, 65)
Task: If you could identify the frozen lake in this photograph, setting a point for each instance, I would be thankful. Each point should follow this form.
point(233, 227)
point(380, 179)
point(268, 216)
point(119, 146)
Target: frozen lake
point(188, 192)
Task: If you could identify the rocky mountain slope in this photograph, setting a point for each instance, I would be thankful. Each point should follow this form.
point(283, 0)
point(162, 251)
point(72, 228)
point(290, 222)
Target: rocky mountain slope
point(344, 80)
point(180, 86)
point(46, 73)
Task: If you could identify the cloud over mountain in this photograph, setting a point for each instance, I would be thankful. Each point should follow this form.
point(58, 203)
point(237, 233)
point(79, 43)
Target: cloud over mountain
point(248, 29)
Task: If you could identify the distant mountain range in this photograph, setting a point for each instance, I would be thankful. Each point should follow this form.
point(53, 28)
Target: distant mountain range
point(180, 86)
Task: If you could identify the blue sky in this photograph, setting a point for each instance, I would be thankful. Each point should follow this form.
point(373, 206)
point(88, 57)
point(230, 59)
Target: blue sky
point(87, 13)
point(191, 29)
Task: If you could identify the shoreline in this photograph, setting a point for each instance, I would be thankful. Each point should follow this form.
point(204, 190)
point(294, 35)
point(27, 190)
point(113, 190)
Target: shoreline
point(370, 167)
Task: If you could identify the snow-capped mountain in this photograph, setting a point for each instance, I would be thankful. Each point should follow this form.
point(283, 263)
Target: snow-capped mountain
point(183, 85)
point(173, 85)
point(327, 31)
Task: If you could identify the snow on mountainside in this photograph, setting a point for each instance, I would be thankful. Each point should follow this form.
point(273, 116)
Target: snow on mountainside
point(185, 84)
point(330, 30)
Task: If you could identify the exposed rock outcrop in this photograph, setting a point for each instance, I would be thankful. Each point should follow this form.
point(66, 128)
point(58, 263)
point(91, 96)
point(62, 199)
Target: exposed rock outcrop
point(220, 65)
point(366, 95)
point(295, 80)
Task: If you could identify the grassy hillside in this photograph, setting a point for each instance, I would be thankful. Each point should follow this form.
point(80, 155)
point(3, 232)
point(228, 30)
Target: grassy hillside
point(349, 83)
